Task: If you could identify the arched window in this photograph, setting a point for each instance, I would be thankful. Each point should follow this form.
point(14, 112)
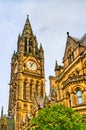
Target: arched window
point(25, 47)
point(79, 96)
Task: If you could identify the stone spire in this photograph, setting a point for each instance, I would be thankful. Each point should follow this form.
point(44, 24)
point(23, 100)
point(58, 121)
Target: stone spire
point(27, 27)
point(56, 66)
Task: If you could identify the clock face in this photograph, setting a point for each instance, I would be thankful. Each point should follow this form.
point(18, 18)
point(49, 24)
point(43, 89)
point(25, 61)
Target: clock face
point(31, 65)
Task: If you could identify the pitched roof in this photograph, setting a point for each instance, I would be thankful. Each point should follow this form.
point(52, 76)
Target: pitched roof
point(83, 40)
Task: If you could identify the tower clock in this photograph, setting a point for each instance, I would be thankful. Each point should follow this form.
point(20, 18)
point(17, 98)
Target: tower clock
point(27, 75)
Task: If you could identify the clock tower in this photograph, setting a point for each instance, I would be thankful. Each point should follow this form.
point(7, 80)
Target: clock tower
point(27, 75)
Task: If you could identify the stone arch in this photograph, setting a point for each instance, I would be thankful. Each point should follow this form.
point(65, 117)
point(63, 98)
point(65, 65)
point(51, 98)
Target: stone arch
point(78, 92)
point(26, 79)
point(78, 87)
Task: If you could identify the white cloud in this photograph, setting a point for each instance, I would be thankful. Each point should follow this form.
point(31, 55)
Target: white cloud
point(50, 20)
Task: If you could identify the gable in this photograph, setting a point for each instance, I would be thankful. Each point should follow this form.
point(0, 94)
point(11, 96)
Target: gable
point(71, 45)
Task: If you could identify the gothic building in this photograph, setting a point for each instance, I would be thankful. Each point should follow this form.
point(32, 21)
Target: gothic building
point(69, 82)
point(27, 80)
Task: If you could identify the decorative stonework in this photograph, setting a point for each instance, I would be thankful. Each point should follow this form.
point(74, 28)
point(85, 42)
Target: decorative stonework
point(27, 68)
point(27, 81)
point(71, 79)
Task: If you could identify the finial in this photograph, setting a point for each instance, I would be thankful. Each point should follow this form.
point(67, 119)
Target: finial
point(68, 33)
point(27, 16)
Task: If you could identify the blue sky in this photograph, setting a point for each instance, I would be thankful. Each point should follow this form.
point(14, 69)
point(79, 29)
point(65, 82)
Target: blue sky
point(50, 20)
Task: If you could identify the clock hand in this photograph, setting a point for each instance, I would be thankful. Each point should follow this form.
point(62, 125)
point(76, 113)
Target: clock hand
point(31, 64)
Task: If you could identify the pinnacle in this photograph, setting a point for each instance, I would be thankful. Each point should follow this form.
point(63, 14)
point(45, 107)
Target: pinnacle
point(41, 46)
point(27, 27)
point(67, 33)
point(56, 66)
